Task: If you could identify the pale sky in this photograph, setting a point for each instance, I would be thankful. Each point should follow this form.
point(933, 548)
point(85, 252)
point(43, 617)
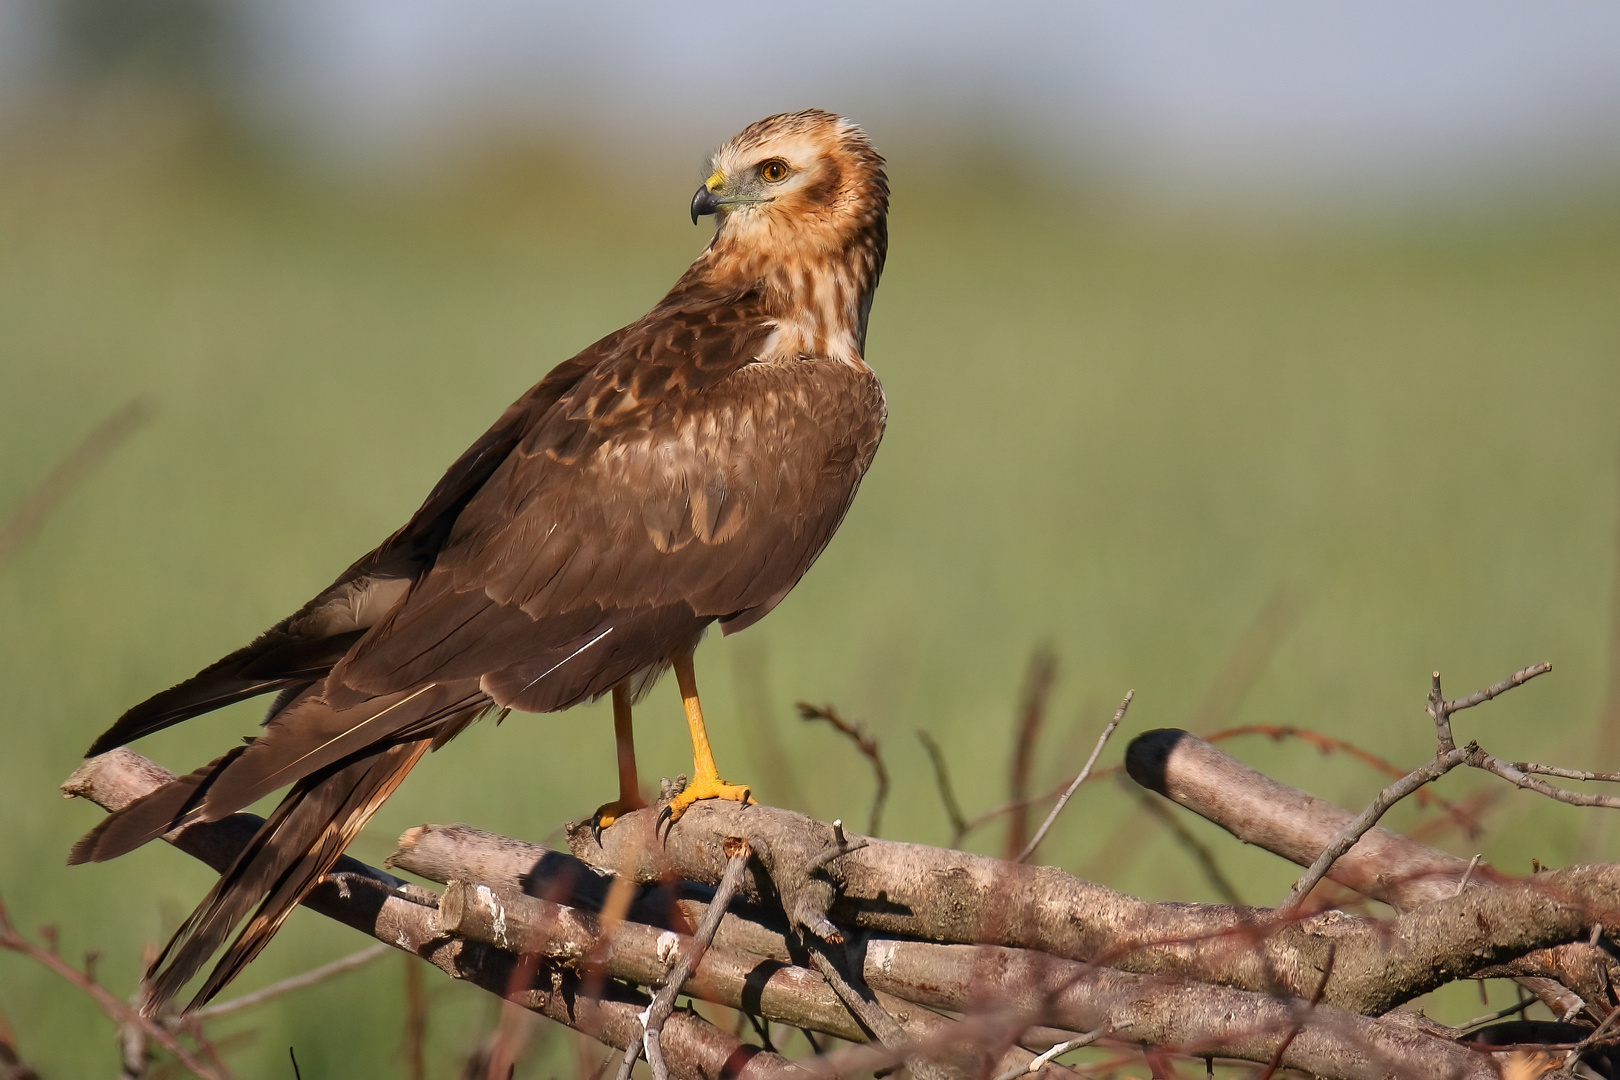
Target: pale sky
point(1269, 92)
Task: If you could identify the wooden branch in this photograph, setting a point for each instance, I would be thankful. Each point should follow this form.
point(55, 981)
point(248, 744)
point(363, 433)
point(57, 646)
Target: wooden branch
point(1382, 865)
point(894, 889)
point(396, 912)
point(884, 887)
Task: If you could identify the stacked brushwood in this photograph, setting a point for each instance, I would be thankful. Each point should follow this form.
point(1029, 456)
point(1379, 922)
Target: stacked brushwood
point(958, 965)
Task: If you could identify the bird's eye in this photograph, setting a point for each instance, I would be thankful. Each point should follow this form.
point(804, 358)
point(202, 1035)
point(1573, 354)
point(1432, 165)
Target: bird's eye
point(773, 171)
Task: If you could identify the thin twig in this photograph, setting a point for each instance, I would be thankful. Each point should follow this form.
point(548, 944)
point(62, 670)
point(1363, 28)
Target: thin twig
point(652, 1020)
point(416, 1021)
point(1448, 757)
point(289, 985)
point(1096, 751)
point(942, 781)
point(1041, 1061)
point(1567, 774)
point(1031, 719)
point(1194, 847)
point(1248, 661)
point(1357, 827)
point(1303, 1016)
point(120, 1012)
point(1462, 883)
point(36, 506)
point(12, 1066)
point(867, 745)
point(1479, 759)
point(1479, 697)
point(1499, 1014)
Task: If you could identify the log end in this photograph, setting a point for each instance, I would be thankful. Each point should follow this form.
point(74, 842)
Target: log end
point(1148, 756)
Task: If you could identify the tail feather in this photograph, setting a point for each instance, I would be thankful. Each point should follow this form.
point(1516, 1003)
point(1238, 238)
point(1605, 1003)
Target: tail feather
point(287, 857)
point(273, 662)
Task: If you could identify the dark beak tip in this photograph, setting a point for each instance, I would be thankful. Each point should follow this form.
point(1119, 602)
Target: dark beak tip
point(703, 203)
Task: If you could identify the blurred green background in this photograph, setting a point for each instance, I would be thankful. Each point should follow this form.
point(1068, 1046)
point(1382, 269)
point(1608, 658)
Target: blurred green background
point(1173, 442)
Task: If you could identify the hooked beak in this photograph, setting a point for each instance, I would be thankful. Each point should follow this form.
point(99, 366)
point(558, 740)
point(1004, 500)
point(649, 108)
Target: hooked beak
point(704, 203)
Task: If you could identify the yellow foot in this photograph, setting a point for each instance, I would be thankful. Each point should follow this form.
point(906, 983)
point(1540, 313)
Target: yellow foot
point(608, 813)
point(704, 788)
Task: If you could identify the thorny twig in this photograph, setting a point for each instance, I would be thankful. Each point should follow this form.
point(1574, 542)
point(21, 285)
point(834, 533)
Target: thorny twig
point(867, 745)
point(120, 1012)
point(1096, 751)
point(652, 1019)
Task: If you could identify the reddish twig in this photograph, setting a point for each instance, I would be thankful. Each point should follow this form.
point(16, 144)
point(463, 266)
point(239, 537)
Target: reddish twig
point(942, 781)
point(1327, 744)
point(1448, 757)
point(120, 1012)
point(1248, 661)
point(416, 1021)
point(868, 747)
point(1031, 719)
point(1305, 1014)
point(12, 1066)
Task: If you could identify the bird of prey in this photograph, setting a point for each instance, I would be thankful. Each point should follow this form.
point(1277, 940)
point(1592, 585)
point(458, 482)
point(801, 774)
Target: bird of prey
point(684, 470)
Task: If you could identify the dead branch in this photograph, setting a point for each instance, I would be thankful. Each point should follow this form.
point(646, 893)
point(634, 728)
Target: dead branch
point(289, 985)
point(867, 745)
point(1096, 751)
point(405, 916)
point(664, 1001)
point(894, 889)
point(1026, 735)
point(947, 793)
point(1199, 976)
point(120, 1012)
point(1382, 865)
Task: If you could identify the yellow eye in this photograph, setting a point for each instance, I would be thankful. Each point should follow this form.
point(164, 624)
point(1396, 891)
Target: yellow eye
point(774, 171)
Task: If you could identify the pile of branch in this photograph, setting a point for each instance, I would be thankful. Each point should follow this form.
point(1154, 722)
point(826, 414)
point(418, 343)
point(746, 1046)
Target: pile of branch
point(960, 965)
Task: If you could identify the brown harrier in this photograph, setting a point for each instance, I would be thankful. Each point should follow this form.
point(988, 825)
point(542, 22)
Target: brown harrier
point(685, 469)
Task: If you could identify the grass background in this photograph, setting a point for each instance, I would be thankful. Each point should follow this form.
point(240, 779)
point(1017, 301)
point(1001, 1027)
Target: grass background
point(1116, 428)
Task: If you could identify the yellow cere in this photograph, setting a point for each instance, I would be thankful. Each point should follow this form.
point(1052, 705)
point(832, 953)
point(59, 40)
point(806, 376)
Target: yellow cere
point(716, 181)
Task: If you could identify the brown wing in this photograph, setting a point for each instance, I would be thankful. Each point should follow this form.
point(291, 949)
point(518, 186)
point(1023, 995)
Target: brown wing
point(303, 647)
point(679, 482)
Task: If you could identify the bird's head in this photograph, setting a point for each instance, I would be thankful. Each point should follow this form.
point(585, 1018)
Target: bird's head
point(805, 183)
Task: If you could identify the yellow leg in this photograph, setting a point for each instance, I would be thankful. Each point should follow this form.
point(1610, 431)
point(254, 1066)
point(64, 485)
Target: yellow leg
point(624, 741)
point(705, 782)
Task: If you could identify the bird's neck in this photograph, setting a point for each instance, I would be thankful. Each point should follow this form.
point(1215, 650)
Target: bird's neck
point(818, 300)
